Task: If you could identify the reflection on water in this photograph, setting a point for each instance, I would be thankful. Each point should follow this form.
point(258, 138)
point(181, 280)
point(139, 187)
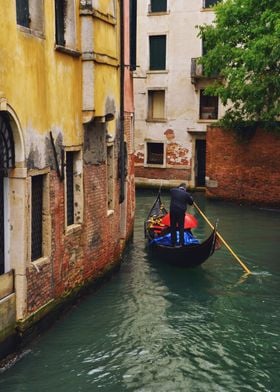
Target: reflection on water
point(156, 327)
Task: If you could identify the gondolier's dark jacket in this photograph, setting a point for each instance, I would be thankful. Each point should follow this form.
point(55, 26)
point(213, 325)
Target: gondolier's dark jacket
point(180, 198)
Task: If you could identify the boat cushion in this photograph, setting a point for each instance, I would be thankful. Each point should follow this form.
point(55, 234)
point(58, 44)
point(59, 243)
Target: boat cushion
point(189, 239)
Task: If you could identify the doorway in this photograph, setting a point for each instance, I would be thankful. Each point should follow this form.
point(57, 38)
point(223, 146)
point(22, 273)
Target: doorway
point(200, 162)
point(7, 161)
point(2, 235)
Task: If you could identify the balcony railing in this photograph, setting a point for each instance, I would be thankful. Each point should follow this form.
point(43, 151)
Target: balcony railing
point(197, 71)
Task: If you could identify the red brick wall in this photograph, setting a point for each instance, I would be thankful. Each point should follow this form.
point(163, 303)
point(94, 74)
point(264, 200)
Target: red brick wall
point(243, 171)
point(84, 253)
point(162, 173)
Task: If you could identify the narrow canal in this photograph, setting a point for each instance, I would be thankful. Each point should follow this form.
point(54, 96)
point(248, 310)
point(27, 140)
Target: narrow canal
point(159, 328)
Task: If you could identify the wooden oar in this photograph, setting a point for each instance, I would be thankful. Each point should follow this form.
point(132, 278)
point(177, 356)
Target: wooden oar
point(223, 241)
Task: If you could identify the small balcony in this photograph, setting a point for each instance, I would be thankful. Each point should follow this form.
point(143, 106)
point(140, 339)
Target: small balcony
point(197, 72)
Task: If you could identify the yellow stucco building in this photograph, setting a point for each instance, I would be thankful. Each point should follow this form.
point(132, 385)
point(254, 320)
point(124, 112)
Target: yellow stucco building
point(66, 188)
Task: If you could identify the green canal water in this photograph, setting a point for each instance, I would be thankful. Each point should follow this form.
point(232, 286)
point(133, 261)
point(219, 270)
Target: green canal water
point(155, 327)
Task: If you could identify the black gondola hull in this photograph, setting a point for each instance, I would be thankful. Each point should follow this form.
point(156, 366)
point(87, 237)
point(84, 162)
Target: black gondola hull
point(184, 256)
point(190, 256)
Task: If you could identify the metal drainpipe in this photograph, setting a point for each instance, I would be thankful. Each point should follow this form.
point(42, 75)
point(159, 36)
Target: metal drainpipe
point(122, 160)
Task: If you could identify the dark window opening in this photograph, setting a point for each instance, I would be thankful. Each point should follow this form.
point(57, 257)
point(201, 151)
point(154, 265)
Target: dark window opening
point(155, 153)
point(22, 9)
point(157, 52)
point(133, 33)
point(70, 187)
point(208, 106)
point(7, 149)
point(200, 159)
point(2, 236)
point(37, 217)
point(60, 11)
point(210, 3)
point(158, 5)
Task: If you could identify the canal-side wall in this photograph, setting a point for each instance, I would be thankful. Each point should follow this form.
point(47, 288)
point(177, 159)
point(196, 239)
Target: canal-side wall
point(68, 186)
point(7, 312)
point(243, 169)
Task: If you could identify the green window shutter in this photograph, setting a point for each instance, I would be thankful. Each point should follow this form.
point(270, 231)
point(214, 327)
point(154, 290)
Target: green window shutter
point(157, 52)
point(158, 5)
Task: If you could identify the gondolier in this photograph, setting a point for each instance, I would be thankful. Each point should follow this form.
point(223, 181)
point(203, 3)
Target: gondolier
point(180, 198)
point(157, 232)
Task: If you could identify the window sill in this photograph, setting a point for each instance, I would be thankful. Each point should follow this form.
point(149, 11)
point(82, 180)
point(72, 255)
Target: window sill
point(156, 120)
point(40, 262)
point(206, 121)
point(208, 9)
point(158, 13)
point(35, 33)
point(71, 229)
point(157, 71)
point(110, 213)
point(69, 51)
point(155, 165)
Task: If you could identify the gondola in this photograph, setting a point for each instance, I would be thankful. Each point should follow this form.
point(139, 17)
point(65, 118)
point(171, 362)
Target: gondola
point(157, 233)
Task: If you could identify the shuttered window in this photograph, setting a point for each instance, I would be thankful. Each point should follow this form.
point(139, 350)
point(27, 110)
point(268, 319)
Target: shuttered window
point(22, 9)
point(158, 5)
point(133, 32)
point(60, 10)
point(156, 105)
point(37, 217)
point(157, 52)
point(110, 178)
point(70, 187)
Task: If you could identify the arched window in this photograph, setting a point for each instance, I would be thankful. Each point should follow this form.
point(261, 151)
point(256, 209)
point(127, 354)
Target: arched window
point(7, 160)
point(7, 148)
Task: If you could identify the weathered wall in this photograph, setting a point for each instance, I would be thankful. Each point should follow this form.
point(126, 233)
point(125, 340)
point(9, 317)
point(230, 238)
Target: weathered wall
point(246, 171)
point(43, 88)
point(181, 125)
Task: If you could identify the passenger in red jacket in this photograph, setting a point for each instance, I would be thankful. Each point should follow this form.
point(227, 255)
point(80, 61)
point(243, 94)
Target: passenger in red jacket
point(180, 198)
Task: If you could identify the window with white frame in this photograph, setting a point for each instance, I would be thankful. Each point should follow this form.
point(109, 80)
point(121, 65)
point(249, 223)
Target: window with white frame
point(155, 153)
point(73, 188)
point(156, 105)
point(30, 14)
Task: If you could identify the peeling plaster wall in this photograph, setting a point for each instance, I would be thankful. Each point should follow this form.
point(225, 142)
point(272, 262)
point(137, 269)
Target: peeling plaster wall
point(181, 125)
point(42, 85)
point(43, 89)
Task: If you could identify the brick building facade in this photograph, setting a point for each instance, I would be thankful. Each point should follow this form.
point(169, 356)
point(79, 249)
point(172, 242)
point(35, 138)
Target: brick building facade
point(243, 170)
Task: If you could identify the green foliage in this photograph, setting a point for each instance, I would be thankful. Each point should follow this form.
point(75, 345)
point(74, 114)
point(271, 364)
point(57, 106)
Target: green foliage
point(243, 47)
